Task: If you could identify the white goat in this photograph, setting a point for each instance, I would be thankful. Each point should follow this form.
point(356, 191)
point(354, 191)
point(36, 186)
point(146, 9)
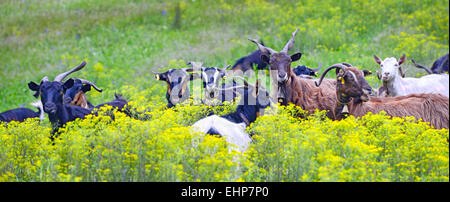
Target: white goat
point(398, 86)
point(233, 133)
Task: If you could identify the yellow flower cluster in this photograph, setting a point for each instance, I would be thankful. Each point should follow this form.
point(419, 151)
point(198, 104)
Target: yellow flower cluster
point(373, 148)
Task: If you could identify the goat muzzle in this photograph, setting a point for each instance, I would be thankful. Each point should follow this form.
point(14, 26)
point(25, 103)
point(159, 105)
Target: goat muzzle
point(50, 108)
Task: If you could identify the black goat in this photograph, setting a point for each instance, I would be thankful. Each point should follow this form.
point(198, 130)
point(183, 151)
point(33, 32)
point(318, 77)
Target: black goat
point(20, 114)
point(304, 71)
point(439, 66)
point(76, 95)
point(52, 99)
point(51, 93)
point(247, 62)
point(119, 103)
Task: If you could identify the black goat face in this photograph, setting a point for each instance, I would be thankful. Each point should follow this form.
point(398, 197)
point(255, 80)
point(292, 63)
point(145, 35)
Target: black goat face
point(51, 93)
point(304, 70)
point(77, 88)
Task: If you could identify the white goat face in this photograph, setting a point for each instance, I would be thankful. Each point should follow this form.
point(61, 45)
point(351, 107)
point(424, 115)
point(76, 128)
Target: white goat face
point(389, 69)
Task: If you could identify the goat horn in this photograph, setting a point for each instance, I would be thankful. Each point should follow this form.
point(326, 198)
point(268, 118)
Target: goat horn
point(378, 75)
point(195, 65)
point(347, 64)
point(83, 81)
point(45, 78)
point(262, 48)
point(421, 66)
point(340, 66)
point(60, 77)
point(317, 69)
point(403, 74)
point(290, 43)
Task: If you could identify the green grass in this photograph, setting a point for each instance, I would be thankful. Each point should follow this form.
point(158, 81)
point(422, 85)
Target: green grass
point(131, 38)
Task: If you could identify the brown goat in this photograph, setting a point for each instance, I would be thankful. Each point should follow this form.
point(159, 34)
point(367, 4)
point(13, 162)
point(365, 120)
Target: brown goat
point(352, 92)
point(290, 88)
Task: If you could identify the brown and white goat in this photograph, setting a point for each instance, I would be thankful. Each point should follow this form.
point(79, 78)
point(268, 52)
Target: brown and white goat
point(290, 88)
point(352, 92)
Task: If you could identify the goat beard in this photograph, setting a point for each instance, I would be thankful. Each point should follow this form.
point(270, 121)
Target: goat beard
point(80, 100)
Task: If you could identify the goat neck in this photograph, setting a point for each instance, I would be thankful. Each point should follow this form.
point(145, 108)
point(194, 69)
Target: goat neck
point(393, 86)
point(343, 106)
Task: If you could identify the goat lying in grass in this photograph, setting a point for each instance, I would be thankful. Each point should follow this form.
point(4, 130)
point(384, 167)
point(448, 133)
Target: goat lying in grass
point(395, 85)
point(20, 114)
point(352, 92)
point(232, 126)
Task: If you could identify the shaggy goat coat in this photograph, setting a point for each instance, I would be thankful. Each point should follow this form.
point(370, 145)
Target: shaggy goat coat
point(432, 108)
point(304, 93)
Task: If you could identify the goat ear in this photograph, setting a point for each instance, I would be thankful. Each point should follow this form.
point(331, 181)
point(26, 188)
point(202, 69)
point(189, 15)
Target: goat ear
point(402, 59)
point(68, 84)
point(377, 59)
point(161, 76)
point(33, 86)
point(367, 72)
point(86, 88)
point(296, 57)
point(265, 58)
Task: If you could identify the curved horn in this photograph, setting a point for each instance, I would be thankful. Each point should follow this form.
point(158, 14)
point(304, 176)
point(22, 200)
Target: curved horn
point(317, 69)
point(290, 43)
point(422, 67)
point(83, 81)
point(61, 76)
point(262, 48)
point(347, 64)
point(340, 66)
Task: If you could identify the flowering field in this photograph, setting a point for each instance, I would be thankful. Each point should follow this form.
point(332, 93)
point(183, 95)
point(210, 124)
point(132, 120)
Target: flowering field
point(121, 48)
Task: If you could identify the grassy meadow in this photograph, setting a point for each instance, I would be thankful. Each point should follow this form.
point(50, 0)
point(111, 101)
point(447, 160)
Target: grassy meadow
point(124, 41)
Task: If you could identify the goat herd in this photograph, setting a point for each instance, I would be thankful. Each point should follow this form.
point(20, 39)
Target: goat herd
point(425, 98)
